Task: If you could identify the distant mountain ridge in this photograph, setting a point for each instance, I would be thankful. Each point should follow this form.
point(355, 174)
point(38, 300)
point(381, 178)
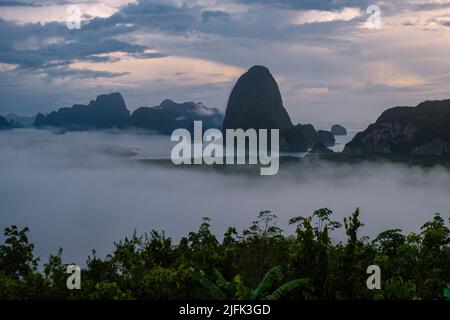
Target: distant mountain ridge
point(170, 115)
point(110, 112)
point(17, 121)
point(424, 130)
point(107, 111)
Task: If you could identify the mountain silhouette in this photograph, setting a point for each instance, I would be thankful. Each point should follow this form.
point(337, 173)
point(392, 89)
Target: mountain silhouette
point(424, 129)
point(170, 115)
point(110, 111)
point(256, 102)
point(17, 121)
point(107, 111)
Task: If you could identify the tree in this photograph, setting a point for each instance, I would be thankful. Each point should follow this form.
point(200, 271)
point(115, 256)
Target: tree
point(16, 255)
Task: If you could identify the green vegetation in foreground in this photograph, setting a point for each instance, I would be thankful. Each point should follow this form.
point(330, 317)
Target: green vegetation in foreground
point(259, 263)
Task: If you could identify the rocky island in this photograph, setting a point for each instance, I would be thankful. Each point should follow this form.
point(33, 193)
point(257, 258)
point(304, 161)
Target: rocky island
point(256, 102)
point(169, 116)
point(109, 111)
point(420, 130)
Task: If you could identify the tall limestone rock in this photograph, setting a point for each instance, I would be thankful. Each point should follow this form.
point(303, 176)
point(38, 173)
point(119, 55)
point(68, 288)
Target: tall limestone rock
point(255, 102)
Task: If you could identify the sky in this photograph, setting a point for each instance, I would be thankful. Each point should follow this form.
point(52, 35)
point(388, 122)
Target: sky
point(330, 62)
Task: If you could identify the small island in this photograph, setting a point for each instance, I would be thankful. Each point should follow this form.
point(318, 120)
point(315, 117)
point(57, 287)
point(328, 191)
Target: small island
point(420, 130)
point(338, 130)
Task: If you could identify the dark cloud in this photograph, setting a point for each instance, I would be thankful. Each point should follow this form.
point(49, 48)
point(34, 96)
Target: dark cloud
point(92, 44)
point(432, 5)
point(18, 4)
point(43, 3)
point(214, 14)
point(66, 53)
point(311, 4)
point(82, 73)
point(97, 36)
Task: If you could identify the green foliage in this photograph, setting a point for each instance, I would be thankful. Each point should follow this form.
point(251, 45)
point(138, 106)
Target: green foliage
point(108, 291)
point(213, 291)
point(16, 255)
point(287, 288)
point(258, 263)
point(398, 289)
point(447, 292)
point(269, 280)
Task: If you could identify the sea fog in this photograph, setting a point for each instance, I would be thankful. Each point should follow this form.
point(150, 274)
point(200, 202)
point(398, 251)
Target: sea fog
point(85, 190)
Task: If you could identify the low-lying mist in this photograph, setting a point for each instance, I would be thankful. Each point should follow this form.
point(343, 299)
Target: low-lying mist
point(83, 191)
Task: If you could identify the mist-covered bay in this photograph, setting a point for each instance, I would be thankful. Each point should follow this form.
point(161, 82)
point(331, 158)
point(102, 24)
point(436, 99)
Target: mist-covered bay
point(85, 190)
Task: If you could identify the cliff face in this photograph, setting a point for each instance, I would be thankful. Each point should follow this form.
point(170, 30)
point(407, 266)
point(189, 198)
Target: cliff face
point(424, 129)
point(255, 102)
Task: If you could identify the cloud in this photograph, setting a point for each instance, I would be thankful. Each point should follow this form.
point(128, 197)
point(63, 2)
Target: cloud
point(64, 47)
point(214, 15)
point(60, 72)
point(65, 53)
point(315, 90)
point(311, 4)
point(18, 4)
point(315, 16)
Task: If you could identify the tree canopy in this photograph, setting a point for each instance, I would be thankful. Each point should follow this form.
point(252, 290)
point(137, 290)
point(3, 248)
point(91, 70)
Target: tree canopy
point(258, 263)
